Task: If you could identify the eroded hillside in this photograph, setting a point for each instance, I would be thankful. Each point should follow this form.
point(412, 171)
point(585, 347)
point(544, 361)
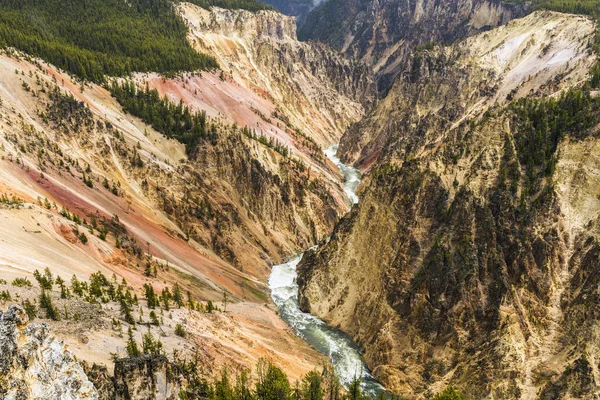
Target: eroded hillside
point(481, 219)
point(86, 187)
point(312, 86)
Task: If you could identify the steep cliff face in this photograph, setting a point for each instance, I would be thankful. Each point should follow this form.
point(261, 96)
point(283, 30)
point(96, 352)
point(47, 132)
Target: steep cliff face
point(382, 33)
point(479, 215)
point(35, 365)
point(318, 90)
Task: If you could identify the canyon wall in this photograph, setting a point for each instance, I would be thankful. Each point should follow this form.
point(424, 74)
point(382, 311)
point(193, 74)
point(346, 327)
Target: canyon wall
point(382, 33)
point(469, 259)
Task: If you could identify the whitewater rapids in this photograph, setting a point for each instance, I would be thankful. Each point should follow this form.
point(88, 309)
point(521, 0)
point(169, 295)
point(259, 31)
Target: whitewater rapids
point(344, 355)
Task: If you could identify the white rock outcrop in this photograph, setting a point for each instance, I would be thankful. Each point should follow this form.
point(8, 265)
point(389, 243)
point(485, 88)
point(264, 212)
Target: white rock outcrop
point(35, 365)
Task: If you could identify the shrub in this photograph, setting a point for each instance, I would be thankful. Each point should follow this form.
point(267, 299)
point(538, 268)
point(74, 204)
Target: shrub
point(180, 330)
point(22, 282)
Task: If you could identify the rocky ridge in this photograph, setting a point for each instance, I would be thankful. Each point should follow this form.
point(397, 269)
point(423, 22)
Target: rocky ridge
point(383, 34)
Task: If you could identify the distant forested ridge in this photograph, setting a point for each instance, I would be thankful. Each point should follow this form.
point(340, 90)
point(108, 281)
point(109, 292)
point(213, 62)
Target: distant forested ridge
point(250, 5)
point(586, 7)
point(95, 38)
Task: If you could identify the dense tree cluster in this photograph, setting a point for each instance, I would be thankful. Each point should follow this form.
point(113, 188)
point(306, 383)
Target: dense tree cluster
point(266, 141)
point(250, 5)
point(586, 7)
point(271, 384)
point(173, 120)
point(95, 38)
point(542, 123)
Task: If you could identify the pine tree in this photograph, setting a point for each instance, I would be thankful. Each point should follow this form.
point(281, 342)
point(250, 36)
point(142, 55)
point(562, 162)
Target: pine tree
point(126, 312)
point(223, 389)
point(177, 296)
point(150, 345)
point(166, 297)
point(272, 383)
point(46, 303)
point(151, 298)
point(191, 303)
point(448, 394)
point(132, 348)
point(354, 391)
point(312, 386)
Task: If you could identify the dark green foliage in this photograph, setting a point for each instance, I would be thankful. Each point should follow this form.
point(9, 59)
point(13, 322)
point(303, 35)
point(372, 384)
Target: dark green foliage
point(98, 281)
point(312, 386)
point(88, 181)
point(585, 7)
point(66, 113)
point(354, 390)
point(46, 304)
point(267, 141)
point(223, 388)
point(165, 296)
point(173, 120)
point(242, 389)
point(177, 296)
point(65, 293)
point(448, 394)
point(94, 38)
point(151, 297)
point(46, 281)
point(77, 286)
point(179, 330)
point(250, 5)
point(83, 238)
point(210, 307)
point(272, 383)
point(11, 202)
point(150, 345)
point(21, 282)
point(542, 123)
point(5, 296)
point(30, 309)
point(126, 312)
point(132, 348)
point(191, 303)
point(154, 318)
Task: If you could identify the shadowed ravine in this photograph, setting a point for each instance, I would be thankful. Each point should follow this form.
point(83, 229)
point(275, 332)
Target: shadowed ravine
point(335, 344)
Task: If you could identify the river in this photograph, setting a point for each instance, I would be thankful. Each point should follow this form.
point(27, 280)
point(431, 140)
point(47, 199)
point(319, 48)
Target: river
point(344, 354)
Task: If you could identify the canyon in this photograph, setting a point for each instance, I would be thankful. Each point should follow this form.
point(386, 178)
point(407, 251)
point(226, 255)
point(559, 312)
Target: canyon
point(383, 34)
point(479, 253)
point(74, 164)
point(408, 194)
